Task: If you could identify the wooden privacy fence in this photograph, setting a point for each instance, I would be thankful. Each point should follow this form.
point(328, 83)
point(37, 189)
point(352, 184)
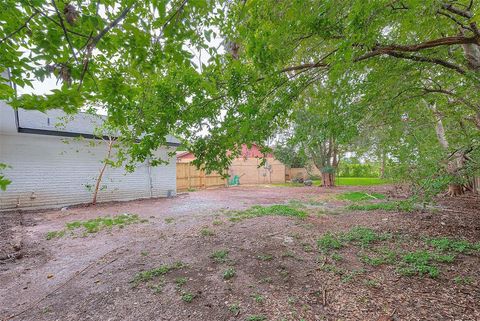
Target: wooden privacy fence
point(250, 171)
point(189, 177)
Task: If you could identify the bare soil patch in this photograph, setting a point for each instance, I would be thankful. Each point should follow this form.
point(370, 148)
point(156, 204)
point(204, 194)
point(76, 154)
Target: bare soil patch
point(271, 266)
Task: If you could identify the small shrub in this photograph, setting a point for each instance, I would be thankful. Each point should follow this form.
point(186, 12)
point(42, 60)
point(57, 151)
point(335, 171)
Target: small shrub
point(169, 220)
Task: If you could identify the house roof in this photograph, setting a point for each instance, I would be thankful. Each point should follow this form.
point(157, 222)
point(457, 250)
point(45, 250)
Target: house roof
point(58, 123)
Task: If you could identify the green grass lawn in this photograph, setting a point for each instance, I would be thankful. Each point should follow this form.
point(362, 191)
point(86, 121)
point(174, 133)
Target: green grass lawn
point(356, 181)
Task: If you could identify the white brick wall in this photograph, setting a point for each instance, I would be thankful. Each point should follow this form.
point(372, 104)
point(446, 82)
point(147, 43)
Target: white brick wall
point(46, 172)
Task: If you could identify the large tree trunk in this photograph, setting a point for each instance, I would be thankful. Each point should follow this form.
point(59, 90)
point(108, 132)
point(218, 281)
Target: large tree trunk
point(328, 179)
point(455, 162)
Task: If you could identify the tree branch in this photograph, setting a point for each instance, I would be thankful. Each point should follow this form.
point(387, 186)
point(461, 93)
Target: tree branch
point(62, 25)
point(454, 20)
point(429, 60)
point(20, 28)
point(452, 94)
point(91, 44)
point(447, 41)
point(56, 22)
point(464, 13)
point(111, 25)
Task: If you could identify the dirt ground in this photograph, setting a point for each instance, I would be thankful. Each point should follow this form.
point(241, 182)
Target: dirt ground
point(279, 271)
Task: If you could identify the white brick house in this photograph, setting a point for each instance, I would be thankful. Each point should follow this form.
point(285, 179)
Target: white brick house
point(49, 168)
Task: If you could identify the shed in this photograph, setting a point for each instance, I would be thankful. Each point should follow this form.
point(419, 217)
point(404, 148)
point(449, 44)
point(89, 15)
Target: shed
point(49, 168)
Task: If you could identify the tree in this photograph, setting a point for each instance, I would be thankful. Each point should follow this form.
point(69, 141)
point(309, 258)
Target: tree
point(290, 154)
point(381, 59)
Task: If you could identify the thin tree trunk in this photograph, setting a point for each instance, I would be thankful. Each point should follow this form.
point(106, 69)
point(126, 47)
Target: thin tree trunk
point(382, 165)
point(102, 170)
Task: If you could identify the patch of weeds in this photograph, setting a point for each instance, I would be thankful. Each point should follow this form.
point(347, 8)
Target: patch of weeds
point(256, 318)
point(229, 273)
point(55, 234)
point(329, 242)
point(217, 222)
point(404, 206)
point(444, 258)
point(296, 203)
point(284, 273)
point(144, 253)
point(445, 244)
point(191, 189)
point(273, 210)
point(463, 280)
point(336, 257)
point(234, 309)
point(99, 223)
point(265, 257)
point(220, 256)
point(266, 280)
point(360, 196)
point(258, 298)
point(385, 256)
point(332, 268)
point(307, 247)
point(315, 203)
point(371, 283)
point(187, 297)
point(180, 281)
point(418, 263)
point(169, 220)
point(347, 277)
point(148, 275)
point(364, 235)
point(206, 232)
point(158, 288)
point(288, 254)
